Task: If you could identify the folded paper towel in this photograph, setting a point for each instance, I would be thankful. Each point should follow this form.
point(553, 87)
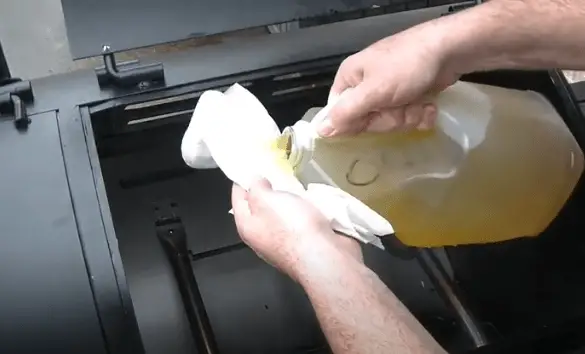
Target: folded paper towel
point(233, 131)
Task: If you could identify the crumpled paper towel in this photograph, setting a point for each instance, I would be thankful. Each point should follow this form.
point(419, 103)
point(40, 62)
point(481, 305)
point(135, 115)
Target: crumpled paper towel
point(233, 131)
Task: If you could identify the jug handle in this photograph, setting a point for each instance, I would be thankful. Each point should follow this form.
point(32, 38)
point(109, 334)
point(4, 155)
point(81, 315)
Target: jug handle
point(446, 122)
point(453, 129)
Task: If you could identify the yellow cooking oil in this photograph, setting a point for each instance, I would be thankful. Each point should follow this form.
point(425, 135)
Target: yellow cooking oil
point(280, 149)
point(510, 186)
point(435, 193)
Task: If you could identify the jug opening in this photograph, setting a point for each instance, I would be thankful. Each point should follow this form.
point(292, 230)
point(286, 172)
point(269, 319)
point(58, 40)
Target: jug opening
point(284, 144)
point(289, 144)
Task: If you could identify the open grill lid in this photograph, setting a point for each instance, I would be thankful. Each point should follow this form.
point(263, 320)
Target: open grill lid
point(129, 24)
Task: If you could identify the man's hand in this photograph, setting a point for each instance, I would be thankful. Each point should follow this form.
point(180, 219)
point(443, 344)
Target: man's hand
point(395, 79)
point(287, 231)
point(393, 82)
point(357, 312)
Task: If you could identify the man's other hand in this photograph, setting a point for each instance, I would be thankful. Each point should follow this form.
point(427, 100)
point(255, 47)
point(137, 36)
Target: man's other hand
point(392, 83)
point(286, 230)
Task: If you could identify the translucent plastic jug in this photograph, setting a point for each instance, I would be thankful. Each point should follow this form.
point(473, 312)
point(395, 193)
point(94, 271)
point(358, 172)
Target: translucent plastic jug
point(500, 164)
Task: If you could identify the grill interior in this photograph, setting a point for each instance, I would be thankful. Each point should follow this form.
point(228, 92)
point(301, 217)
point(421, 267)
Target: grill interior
point(513, 287)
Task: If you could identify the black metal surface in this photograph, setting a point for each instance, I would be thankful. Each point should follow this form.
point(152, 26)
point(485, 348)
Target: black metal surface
point(47, 303)
point(452, 296)
point(522, 277)
point(142, 76)
point(218, 251)
point(254, 308)
point(127, 24)
point(22, 89)
point(251, 306)
point(395, 247)
point(561, 338)
point(171, 234)
point(579, 91)
point(96, 232)
point(207, 211)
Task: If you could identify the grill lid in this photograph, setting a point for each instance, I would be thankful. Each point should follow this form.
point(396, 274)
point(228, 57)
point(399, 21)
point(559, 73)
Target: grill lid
point(129, 24)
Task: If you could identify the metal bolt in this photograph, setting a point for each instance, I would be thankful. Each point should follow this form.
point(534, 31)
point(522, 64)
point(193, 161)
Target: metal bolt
point(143, 85)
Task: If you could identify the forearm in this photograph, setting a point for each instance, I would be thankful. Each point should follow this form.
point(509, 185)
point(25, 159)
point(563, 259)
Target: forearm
point(357, 312)
point(527, 34)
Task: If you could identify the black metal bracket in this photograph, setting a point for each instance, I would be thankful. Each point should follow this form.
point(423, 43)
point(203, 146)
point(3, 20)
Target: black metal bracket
point(452, 296)
point(130, 74)
point(393, 246)
point(173, 238)
point(13, 96)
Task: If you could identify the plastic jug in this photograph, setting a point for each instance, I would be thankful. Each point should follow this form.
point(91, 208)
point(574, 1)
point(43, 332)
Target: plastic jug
point(499, 164)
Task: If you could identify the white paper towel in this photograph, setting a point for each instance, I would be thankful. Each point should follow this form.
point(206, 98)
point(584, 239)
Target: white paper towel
point(233, 131)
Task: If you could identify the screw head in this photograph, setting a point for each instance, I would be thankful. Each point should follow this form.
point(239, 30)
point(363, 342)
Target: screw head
point(143, 85)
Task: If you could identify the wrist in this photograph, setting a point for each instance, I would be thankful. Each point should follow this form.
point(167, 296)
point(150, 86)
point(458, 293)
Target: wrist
point(447, 41)
point(322, 260)
point(475, 40)
point(457, 45)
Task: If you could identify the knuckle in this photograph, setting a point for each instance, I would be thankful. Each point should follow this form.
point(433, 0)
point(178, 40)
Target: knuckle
point(350, 64)
point(254, 197)
point(414, 114)
point(340, 116)
point(258, 200)
point(398, 115)
point(349, 61)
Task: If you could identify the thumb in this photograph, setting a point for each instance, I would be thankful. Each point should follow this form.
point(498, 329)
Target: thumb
point(257, 195)
point(350, 113)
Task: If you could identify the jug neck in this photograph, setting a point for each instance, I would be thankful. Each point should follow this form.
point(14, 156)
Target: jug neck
point(299, 140)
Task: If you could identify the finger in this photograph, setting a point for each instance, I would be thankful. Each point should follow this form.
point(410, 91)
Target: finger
point(240, 207)
point(349, 74)
point(430, 113)
point(257, 195)
point(350, 114)
point(260, 184)
point(413, 116)
point(386, 120)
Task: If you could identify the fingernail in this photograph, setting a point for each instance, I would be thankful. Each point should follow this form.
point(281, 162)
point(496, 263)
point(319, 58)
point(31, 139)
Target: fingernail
point(424, 125)
point(411, 120)
point(392, 124)
point(326, 129)
point(430, 112)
